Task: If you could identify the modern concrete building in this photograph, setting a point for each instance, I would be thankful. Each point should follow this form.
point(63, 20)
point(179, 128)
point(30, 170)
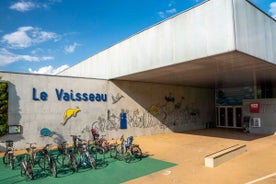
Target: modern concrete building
point(213, 65)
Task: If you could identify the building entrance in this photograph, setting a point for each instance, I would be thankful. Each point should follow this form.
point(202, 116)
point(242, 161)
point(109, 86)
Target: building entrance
point(229, 116)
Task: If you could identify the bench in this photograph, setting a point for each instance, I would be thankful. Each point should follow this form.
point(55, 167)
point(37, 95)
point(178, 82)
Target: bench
point(224, 155)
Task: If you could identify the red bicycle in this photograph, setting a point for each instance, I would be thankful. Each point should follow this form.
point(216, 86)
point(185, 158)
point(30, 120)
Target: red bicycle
point(101, 143)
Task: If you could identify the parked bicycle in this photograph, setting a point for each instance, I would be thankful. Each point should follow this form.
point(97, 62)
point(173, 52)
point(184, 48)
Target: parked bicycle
point(31, 153)
point(8, 157)
point(126, 150)
point(46, 161)
point(76, 142)
point(66, 157)
point(27, 163)
point(100, 142)
point(84, 156)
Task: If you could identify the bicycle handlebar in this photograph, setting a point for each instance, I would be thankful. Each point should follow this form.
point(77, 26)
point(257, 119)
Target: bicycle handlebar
point(31, 144)
point(46, 146)
point(75, 136)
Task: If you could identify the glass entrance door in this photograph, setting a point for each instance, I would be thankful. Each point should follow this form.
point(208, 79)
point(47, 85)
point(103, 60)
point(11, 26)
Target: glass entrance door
point(238, 116)
point(221, 118)
point(229, 116)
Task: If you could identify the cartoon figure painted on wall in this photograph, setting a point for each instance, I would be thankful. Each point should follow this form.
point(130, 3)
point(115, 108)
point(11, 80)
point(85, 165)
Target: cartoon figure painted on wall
point(69, 113)
point(46, 132)
point(123, 120)
point(116, 98)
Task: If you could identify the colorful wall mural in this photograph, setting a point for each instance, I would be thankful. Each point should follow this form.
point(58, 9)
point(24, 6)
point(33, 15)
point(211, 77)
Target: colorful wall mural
point(70, 112)
point(129, 108)
point(233, 96)
point(174, 112)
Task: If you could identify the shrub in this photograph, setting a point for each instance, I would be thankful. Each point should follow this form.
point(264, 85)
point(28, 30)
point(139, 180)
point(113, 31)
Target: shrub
point(3, 108)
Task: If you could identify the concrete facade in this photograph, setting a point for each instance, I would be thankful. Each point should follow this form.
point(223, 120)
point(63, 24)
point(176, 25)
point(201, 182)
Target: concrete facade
point(200, 32)
point(38, 101)
point(211, 28)
point(266, 116)
point(254, 31)
point(222, 46)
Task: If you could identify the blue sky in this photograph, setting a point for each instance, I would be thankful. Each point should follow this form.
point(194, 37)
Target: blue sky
point(46, 36)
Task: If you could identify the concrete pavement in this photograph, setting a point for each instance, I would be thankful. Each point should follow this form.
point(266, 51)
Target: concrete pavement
point(188, 149)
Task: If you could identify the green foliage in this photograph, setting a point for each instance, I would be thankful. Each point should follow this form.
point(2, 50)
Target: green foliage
point(3, 87)
point(3, 108)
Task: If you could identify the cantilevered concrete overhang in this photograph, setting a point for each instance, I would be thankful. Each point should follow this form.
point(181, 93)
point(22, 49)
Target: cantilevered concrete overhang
point(225, 70)
point(217, 43)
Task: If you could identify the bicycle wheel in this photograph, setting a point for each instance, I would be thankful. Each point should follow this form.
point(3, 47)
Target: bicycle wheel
point(5, 159)
point(137, 152)
point(29, 172)
point(22, 170)
point(31, 175)
point(26, 169)
point(30, 159)
point(120, 153)
point(127, 157)
point(90, 160)
point(53, 167)
point(94, 151)
point(62, 160)
point(102, 153)
point(113, 151)
point(74, 164)
point(8, 159)
point(42, 163)
point(11, 162)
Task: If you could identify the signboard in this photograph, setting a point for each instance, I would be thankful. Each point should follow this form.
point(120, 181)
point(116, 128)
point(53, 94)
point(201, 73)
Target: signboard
point(254, 107)
point(15, 129)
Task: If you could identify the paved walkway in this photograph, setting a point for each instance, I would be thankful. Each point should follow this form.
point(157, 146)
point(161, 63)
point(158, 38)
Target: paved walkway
point(188, 149)
point(257, 165)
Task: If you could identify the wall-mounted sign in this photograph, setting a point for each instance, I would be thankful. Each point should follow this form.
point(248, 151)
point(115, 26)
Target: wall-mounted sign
point(255, 122)
point(254, 107)
point(15, 129)
point(62, 95)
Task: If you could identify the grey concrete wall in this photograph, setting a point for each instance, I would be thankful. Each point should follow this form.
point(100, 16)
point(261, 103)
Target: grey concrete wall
point(166, 106)
point(267, 115)
point(255, 31)
point(149, 108)
point(197, 33)
point(37, 114)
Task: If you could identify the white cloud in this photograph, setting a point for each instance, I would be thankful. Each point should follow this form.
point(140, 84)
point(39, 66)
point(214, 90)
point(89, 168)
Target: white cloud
point(161, 14)
point(169, 11)
point(7, 57)
point(272, 9)
point(27, 36)
point(23, 6)
point(49, 70)
point(70, 48)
